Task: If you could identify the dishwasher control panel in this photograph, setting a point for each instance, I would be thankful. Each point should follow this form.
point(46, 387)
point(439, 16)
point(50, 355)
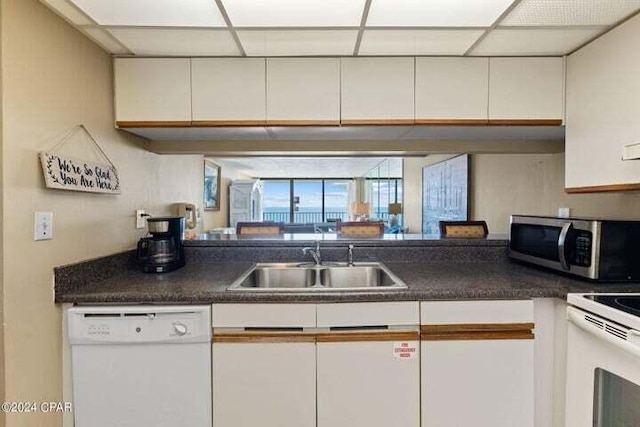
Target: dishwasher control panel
point(139, 324)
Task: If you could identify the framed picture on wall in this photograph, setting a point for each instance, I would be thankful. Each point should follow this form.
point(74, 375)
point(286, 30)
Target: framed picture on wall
point(445, 192)
point(211, 186)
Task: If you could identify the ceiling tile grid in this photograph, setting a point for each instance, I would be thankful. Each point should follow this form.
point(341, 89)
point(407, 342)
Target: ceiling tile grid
point(343, 27)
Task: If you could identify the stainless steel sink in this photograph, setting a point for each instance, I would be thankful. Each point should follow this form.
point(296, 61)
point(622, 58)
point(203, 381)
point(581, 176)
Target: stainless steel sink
point(330, 277)
point(361, 276)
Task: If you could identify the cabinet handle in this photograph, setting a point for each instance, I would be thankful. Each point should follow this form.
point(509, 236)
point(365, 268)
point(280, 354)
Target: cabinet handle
point(477, 331)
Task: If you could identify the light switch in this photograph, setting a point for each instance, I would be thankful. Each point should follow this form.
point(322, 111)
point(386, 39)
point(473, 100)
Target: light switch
point(564, 212)
point(42, 225)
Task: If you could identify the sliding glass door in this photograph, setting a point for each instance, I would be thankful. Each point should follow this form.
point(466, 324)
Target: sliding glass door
point(276, 201)
point(306, 201)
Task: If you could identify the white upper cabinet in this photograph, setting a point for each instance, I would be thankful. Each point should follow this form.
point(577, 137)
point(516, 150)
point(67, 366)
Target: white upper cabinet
point(451, 89)
point(153, 89)
point(603, 107)
point(229, 90)
point(303, 91)
point(377, 90)
point(526, 88)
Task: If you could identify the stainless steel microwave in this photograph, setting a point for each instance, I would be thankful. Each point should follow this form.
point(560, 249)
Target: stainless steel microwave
point(597, 249)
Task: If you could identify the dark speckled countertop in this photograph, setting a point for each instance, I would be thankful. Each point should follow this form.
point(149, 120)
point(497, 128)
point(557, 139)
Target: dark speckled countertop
point(432, 271)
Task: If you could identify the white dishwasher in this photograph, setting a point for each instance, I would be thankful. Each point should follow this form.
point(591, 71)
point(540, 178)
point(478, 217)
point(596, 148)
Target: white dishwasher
point(141, 366)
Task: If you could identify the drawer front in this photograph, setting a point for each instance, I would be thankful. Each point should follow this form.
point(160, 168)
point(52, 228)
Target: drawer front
point(368, 314)
point(475, 312)
point(263, 315)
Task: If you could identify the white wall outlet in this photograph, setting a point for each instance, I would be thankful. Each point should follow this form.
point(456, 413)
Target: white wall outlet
point(564, 212)
point(140, 218)
point(42, 225)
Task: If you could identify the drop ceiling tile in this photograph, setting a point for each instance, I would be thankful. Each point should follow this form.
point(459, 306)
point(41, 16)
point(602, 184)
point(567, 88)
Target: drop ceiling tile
point(294, 13)
point(435, 13)
point(183, 13)
point(570, 12)
point(298, 42)
point(67, 10)
point(546, 41)
point(195, 42)
point(417, 42)
point(106, 41)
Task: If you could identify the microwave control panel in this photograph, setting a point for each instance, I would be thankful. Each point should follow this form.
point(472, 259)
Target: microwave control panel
point(582, 248)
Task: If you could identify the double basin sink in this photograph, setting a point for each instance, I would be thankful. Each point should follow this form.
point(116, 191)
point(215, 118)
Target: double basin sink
point(373, 276)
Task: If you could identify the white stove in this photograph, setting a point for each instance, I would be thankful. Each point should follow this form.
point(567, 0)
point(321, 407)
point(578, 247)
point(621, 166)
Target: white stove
point(603, 360)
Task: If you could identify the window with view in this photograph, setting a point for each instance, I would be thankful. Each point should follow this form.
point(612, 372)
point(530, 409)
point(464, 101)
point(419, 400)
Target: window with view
point(305, 201)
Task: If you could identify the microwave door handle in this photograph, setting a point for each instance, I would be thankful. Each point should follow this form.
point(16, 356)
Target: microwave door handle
point(562, 240)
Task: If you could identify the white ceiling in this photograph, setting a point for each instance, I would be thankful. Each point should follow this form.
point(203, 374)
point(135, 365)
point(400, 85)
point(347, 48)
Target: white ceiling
point(343, 27)
point(307, 167)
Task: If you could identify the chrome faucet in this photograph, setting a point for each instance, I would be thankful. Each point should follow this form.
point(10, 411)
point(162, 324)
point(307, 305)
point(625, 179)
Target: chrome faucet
point(315, 253)
point(350, 256)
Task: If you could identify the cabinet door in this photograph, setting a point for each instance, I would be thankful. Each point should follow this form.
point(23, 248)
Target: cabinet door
point(228, 91)
point(477, 383)
point(526, 88)
point(603, 107)
point(452, 89)
point(477, 363)
point(303, 91)
point(264, 384)
point(377, 90)
point(368, 384)
point(153, 90)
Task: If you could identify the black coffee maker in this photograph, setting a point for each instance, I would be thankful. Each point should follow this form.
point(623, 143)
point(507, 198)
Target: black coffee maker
point(163, 251)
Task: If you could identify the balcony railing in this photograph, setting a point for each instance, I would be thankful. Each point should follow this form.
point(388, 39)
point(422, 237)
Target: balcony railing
point(313, 217)
point(304, 217)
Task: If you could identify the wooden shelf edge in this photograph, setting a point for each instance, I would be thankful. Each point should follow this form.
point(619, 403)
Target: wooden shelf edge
point(153, 124)
point(603, 188)
point(525, 122)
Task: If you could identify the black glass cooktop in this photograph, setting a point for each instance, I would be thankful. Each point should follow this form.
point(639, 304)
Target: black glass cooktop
point(627, 303)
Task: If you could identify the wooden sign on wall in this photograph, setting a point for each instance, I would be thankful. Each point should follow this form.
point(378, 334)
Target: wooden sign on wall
point(67, 173)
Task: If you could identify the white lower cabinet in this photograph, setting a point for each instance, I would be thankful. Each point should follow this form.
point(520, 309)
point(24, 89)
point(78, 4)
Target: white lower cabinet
point(367, 384)
point(368, 364)
point(477, 365)
point(437, 364)
point(264, 384)
point(302, 365)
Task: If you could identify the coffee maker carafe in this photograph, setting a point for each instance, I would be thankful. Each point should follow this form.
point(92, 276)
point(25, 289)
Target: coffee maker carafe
point(163, 251)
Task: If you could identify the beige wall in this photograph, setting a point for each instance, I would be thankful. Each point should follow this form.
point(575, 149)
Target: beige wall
point(503, 184)
point(2, 367)
point(215, 219)
point(53, 79)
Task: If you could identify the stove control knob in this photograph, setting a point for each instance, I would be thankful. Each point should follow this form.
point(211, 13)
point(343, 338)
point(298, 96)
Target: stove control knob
point(180, 328)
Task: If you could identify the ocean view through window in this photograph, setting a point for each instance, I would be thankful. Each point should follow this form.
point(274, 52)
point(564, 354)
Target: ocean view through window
point(305, 201)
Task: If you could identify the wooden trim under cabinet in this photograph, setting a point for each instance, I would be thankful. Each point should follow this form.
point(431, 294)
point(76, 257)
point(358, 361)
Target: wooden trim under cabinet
point(477, 331)
point(299, 123)
point(603, 188)
point(368, 336)
point(452, 122)
point(153, 124)
point(227, 123)
point(263, 337)
point(378, 122)
point(525, 122)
